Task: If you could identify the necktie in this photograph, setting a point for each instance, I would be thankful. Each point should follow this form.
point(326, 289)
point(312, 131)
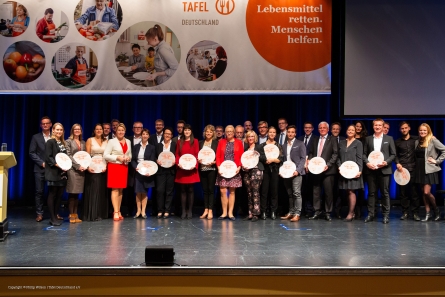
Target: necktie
point(281, 138)
point(320, 146)
point(305, 140)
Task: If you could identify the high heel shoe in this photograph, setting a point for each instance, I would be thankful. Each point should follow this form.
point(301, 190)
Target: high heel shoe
point(349, 219)
point(159, 215)
point(427, 217)
point(136, 216)
point(437, 212)
point(116, 218)
point(120, 216)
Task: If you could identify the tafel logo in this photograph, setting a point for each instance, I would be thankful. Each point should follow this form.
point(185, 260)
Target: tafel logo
point(225, 7)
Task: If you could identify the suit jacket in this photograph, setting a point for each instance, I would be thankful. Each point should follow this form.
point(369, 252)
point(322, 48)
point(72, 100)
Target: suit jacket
point(314, 138)
point(262, 158)
point(160, 149)
point(277, 138)
point(52, 172)
point(329, 153)
point(435, 150)
point(37, 152)
point(388, 149)
point(153, 140)
point(114, 149)
point(297, 155)
point(149, 155)
point(339, 138)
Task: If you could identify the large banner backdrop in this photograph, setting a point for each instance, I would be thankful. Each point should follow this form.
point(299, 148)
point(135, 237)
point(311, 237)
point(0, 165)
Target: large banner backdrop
point(166, 46)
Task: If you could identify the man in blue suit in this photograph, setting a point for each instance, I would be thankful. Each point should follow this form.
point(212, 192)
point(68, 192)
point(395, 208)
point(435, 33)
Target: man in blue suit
point(37, 154)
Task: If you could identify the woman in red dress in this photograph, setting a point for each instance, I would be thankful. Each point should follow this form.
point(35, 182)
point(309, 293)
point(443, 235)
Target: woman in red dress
point(118, 155)
point(186, 178)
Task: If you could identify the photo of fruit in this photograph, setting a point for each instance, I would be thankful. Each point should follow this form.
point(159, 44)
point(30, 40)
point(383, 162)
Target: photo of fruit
point(24, 61)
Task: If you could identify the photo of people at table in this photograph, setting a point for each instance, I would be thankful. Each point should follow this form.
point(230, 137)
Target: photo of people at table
point(147, 54)
point(206, 60)
point(74, 65)
point(14, 19)
point(98, 19)
point(52, 26)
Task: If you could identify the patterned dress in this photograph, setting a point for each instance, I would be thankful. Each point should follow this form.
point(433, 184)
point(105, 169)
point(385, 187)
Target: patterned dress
point(253, 179)
point(234, 182)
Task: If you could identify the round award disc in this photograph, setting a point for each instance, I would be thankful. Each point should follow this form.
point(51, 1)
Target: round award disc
point(167, 159)
point(316, 165)
point(98, 164)
point(287, 169)
point(64, 161)
point(250, 159)
point(187, 161)
point(82, 158)
point(349, 169)
point(145, 167)
point(271, 151)
point(206, 155)
point(402, 178)
point(376, 158)
point(228, 169)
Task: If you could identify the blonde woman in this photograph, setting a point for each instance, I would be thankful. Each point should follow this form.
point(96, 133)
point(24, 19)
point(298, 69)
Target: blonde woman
point(54, 175)
point(76, 175)
point(430, 153)
point(207, 173)
point(118, 155)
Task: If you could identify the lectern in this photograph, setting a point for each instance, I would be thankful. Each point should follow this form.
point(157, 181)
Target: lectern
point(7, 160)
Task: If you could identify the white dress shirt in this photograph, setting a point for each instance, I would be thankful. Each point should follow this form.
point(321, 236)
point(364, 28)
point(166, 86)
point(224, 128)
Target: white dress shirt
point(289, 146)
point(378, 142)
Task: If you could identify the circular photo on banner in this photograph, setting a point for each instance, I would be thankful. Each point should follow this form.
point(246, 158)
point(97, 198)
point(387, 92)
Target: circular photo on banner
point(147, 54)
point(24, 61)
point(52, 25)
point(206, 61)
point(14, 19)
point(97, 19)
point(74, 65)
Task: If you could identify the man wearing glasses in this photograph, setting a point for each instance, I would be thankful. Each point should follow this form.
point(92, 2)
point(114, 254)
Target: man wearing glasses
point(37, 154)
point(263, 127)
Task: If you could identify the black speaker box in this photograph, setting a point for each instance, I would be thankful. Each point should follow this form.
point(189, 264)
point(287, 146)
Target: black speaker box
point(160, 255)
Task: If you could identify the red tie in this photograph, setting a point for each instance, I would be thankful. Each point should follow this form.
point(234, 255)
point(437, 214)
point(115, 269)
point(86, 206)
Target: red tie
point(320, 146)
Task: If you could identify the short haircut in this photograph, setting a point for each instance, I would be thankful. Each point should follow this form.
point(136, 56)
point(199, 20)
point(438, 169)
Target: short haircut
point(386, 123)
point(169, 129)
point(151, 49)
point(263, 122)
point(159, 121)
point(146, 131)
point(114, 121)
point(49, 10)
point(138, 122)
point(291, 127)
point(135, 46)
point(403, 123)
point(308, 123)
point(106, 124)
point(211, 128)
point(336, 123)
point(378, 120)
point(45, 118)
point(180, 122)
point(282, 119)
point(216, 127)
point(121, 125)
point(323, 122)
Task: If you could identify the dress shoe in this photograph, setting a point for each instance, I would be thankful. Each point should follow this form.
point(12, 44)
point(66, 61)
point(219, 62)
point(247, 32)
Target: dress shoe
point(247, 218)
point(287, 217)
point(315, 216)
point(59, 217)
point(328, 217)
point(232, 218)
point(385, 220)
point(39, 218)
point(296, 218)
point(222, 217)
point(254, 218)
point(56, 223)
point(427, 217)
point(404, 216)
point(369, 219)
point(273, 215)
point(263, 216)
point(416, 217)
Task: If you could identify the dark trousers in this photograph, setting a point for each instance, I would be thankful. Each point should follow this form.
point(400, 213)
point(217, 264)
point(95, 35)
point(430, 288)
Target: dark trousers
point(165, 185)
point(404, 199)
point(307, 190)
point(39, 178)
point(208, 179)
point(327, 182)
point(378, 181)
point(54, 199)
point(270, 185)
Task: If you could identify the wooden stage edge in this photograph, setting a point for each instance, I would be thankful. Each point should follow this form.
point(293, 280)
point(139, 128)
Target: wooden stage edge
point(222, 281)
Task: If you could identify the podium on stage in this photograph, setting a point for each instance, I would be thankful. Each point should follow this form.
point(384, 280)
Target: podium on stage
point(7, 160)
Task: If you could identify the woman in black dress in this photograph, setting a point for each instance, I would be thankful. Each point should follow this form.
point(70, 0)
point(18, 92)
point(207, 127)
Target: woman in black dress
point(142, 152)
point(95, 205)
point(54, 175)
point(430, 153)
point(351, 149)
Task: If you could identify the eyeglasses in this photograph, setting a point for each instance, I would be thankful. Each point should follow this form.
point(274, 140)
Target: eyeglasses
point(262, 127)
point(46, 123)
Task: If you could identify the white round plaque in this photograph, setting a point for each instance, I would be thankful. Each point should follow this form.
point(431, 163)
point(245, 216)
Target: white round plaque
point(271, 151)
point(402, 178)
point(316, 165)
point(287, 169)
point(167, 159)
point(82, 158)
point(250, 159)
point(349, 169)
point(206, 155)
point(64, 161)
point(187, 161)
point(145, 167)
point(227, 169)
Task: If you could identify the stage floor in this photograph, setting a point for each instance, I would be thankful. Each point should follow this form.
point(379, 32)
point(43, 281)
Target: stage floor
point(214, 243)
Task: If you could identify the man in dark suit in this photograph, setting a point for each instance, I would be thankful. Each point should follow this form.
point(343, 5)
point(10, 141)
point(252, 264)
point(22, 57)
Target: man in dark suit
point(295, 151)
point(158, 136)
point(37, 154)
point(282, 131)
point(114, 124)
point(378, 175)
point(326, 148)
point(308, 138)
point(180, 129)
point(107, 130)
point(335, 132)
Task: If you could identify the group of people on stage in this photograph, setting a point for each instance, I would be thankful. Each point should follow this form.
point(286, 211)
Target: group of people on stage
point(261, 185)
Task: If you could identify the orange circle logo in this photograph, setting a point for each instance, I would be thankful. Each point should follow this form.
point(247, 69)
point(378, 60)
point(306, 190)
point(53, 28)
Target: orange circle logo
point(293, 35)
point(225, 7)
